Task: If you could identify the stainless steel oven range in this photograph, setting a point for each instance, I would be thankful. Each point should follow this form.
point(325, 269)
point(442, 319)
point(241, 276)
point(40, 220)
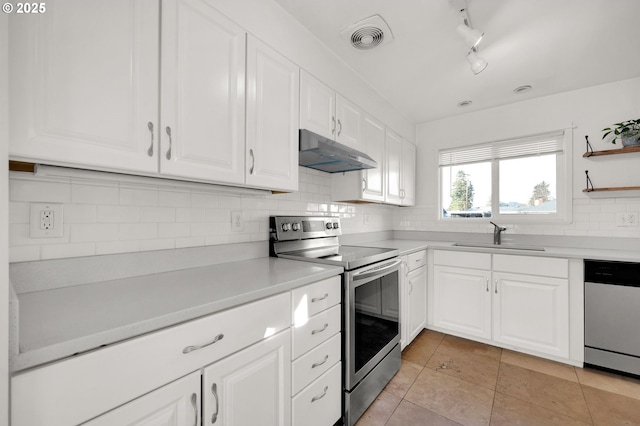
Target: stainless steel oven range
point(370, 313)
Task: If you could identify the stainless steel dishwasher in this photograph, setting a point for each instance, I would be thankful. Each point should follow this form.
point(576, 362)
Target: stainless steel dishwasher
point(612, 315)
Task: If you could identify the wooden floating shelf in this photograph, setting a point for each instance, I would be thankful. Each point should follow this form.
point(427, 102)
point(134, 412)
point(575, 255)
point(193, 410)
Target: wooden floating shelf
point(625, 150)
point(616, 188)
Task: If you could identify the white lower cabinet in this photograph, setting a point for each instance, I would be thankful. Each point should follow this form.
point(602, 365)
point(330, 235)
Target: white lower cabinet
point(413, 289)
point(316, 354)
point(175, 404)
point(517, 302)
point(462, 300)
point(250, 387)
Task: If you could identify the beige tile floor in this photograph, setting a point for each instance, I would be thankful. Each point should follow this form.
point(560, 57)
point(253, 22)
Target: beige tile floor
point(446, 380)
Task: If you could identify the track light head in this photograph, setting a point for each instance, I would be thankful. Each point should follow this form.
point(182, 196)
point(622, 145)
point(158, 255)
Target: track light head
point(477, 63)
point(471, 36)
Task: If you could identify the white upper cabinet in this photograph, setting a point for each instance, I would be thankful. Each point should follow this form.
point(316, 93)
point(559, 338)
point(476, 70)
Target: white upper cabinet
point(408, 174)
point(368, 184)
point(328, 114)
point(203, 97)
point(272, 118)
point(84, 84)
point(350, 124)
point(317, 106)
point(393, 167)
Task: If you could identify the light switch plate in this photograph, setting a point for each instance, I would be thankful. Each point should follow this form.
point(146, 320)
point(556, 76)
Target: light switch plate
point(46, 220)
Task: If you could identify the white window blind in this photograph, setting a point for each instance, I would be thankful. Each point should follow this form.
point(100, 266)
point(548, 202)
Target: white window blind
point(548, 143)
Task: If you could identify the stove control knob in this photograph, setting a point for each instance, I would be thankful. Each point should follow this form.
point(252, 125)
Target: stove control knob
point(336, 225)
point(295, 226)
point(286, 227)
point(329, 225)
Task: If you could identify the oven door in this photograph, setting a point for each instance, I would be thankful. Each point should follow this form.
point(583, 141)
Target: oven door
point(372, 317)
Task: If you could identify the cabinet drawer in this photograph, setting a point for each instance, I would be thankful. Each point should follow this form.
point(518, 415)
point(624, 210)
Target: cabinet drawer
point(417, 259)
point(314, 363)
point(531, 265)
point(314, 298)
point(77, 389)
point(320, 404)
point(462, 259)
point(318, 329)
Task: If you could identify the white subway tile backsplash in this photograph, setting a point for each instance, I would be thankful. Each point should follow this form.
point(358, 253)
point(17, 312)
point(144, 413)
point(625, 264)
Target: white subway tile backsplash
point(24, 253)
point(157, 244)
point(137, 231)
point(111, 247)
point(39, 191)
point(190, 242)
point(173, 230)
point(118, 214)
point(157, 214)
point(94, 232)
point(80, 213)
point(190, 215)
point(174, 198)
point(95, 194)
point(57, 251)
point(138, 197)
point(19, 212)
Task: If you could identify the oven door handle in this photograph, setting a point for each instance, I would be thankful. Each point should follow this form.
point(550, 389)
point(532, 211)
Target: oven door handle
point(378, 270)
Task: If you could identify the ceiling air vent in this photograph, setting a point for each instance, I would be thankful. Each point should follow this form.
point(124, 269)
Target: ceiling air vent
point(368, 33)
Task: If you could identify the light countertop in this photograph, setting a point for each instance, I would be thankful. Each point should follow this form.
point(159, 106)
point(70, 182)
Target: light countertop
point(58, 323)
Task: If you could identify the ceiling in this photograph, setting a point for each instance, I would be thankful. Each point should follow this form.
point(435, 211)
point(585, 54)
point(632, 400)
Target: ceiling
point(552, 45)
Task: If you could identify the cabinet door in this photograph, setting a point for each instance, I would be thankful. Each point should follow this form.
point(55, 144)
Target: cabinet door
point(417, 301)
point(462, 300)
point(373, 179)
point(251, 387)
point(532, 312)
point(350, 124)
point(272, 118)
point(203, 78)
point(175, 404)
point(317, 106)
point(393, 151)
point(404, 302)
point(408, 173)
point(84, 84)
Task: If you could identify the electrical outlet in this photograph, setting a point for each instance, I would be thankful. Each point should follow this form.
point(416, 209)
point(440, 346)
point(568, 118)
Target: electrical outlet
point(46, 220)
point(237, 224)
point(627, 219)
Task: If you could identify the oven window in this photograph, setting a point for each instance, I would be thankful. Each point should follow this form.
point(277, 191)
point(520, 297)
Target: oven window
point(376, 317)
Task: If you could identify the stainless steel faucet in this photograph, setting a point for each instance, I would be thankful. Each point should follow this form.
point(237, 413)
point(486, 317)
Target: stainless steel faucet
point(497, 233)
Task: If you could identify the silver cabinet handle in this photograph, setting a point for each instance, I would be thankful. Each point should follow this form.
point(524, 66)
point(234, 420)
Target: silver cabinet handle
point(195, 348)
point(194, 402)
point(364, 184)
point(168, 130)
point(487, 284)
point(253, 161)
point(339, 127)
point(333, 130)
point(496, 290)
point(150, 150)
point(318, 299)
point(319, 363)
point(322, 395)
point(214, 391)
point(320, 330)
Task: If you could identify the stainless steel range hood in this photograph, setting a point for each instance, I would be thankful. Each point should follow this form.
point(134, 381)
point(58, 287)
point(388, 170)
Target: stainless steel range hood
point(320, 153)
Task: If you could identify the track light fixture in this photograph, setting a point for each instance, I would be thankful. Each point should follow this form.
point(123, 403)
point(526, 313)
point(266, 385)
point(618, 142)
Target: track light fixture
point(470, 35)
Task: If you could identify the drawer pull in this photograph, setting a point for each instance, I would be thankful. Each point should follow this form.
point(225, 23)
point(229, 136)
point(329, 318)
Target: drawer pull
point(318, 364)
point(322, 395)
point(194, 402)
point(150, 150)
point(195, 348)
point(318, 299)
point(320, 330)
point(214, 391)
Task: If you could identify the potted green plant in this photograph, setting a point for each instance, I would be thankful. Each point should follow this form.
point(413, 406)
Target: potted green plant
point(628, 132)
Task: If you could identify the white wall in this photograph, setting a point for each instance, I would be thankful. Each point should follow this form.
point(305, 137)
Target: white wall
point(4, 252)
point(588, 110)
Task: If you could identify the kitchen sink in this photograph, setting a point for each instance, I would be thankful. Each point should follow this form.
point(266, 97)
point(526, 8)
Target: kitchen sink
point(504, 246)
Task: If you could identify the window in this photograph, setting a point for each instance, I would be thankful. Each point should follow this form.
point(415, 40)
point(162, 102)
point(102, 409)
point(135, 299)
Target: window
point(525, 179)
